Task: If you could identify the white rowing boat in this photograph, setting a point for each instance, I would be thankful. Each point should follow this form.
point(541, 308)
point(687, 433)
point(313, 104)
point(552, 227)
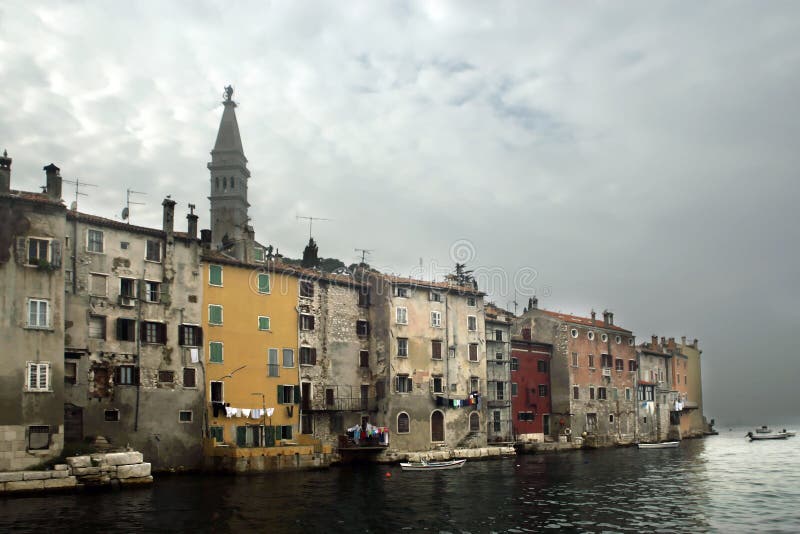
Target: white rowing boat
point(432, 466)
point(758, 437)
point(662, 445)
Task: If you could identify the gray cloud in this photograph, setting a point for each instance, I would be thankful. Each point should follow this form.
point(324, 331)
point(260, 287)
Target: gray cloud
point(638, 158)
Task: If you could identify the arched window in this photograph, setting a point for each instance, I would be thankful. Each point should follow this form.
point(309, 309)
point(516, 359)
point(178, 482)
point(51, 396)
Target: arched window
point(403, 424)
point(474, 422)
point(437, 426)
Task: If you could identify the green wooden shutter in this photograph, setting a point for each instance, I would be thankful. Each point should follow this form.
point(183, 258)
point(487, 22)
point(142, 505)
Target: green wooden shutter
point(214, 314)
point(287, 432)
point(216, 352)
point(241, 436)
point(215, 275)
point(269, 436)
point(296, 394)
point(263, 323)
point(263, 283)
point(280, 394)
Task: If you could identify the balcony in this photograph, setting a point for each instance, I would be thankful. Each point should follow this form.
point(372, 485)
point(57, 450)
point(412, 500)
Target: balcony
point(498, 403)
point(345, 404)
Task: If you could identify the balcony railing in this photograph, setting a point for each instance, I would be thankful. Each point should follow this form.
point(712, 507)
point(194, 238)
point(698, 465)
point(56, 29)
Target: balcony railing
point(345, 404)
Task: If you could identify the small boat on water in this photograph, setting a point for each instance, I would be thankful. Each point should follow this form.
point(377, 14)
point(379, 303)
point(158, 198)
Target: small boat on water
point(764, 429)
point(758, 437)
point(432, 466)
point(662, 445)
point(789, 433)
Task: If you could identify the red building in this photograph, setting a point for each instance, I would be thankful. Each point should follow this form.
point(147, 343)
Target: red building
point(530, 388)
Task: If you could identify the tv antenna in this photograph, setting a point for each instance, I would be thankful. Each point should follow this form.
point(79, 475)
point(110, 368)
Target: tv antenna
point(77, 183)
point(364, 252)
point(126, 211)
point(311, 222)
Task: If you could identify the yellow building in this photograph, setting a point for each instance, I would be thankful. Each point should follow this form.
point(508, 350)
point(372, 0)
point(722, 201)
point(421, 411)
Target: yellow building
point(250, 352)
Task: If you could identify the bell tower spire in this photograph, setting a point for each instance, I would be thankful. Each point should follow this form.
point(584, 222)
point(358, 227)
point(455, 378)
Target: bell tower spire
point(230, 227)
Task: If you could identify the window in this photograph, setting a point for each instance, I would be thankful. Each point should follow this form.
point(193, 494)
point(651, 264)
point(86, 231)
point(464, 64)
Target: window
point(474, 384)
point(498, 335)
point(70, 373)
point(306, 289)
point(576, 392)
point(127, 290)
point(574, 359)
point(94, 241)
point(630, 341)
point(153, 250)
point(632, 365)
point(363, 298)
point(38, 377)
point(263, 283)
point(474, 422)
point(401, 292)
point(258, 254)
point(306, 321)
point(273, 369)
point(620, 364)
point(685, 380)
point(308, 356)
point(473, 352)
point(38, 313)
point(590, 335)
point(591, 392)
point(542, 390)
point(362, 328)
point(166, 377)
point(602, 393)
point(403, 423)
point(184, 416)
point(471, 301)
point(514, 389)
point(97, 327)
point(606, 361)
point(217, 391)
point(283, 432)
point(615, 393)
point(526, 333)
point(124, 245)
point(627, 394)
point(288, 394)
point(125, 375)
point(604, 338)
point(401, 315)
point(541, 366)
point(189, 377)
point(472, 323)
point(215, 353)
point(574, 332)
point(436, 349)
point(263, 322)
point(617, 340)
point(363, 358)
point(215, 275)
point(436, 296)
point(288, 357)
point(329, 398)
point(98, 285)
point(111, 416)
point(126, 329)
point(515, 364)
point(38, 250)
point(498, 356)
point(403, 383)
point(152, 291)
point(500, 390)
point(436, 319)
point(214, 314)
point(438, 384)
point(525, 416)
point(190, 335)
point(154, 332)
point(38, 437)
point(591, 361)
point(402, 347)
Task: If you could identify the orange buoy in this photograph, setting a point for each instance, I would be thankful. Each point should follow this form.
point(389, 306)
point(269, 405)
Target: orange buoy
point(388, 474)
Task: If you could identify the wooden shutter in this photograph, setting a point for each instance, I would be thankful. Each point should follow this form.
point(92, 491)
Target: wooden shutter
point(162, 333)
point(311, 322)
point(296, 394)
point(55, 253)
point(198, 334)
point(181, 334)
point(143, 331)
point(117, 375)
point(313, 356)
point(280, 394)
point(437, 349)
point(241, 436)
point(120, 329)
point(22, 256)
point(164, 293)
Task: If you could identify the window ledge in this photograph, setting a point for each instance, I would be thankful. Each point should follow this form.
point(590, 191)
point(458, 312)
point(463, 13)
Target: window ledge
point(26, 390)
point(152, 261)
point(40, 328)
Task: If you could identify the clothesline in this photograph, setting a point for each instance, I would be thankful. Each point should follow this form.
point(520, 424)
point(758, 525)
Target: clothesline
point(253, 413)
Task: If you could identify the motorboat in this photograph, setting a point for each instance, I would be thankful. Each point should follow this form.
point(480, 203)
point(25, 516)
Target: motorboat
point(758, 437)
point(662, 445)
point(432, 466)
point(764, 429)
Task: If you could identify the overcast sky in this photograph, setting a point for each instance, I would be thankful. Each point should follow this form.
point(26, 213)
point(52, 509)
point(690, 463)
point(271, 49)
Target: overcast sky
point(641, 157)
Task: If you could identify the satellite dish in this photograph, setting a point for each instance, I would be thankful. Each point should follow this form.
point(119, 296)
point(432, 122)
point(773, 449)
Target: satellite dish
point(124, 213)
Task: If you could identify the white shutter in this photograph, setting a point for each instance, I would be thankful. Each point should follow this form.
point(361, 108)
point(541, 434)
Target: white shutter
point(31, 375)
point(44, 375)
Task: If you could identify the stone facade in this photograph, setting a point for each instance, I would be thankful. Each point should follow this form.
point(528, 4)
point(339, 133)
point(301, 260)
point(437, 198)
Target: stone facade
point(657, 419)
point(429, 352)
point(498, 374)
point(32, 237)
point(592, 375)
point(133, 324)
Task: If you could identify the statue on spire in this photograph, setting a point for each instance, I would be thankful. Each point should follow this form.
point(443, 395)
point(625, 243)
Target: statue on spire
point(228, 94)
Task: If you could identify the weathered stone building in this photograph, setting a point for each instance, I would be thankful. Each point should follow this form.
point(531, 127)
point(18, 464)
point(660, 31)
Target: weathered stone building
point(692, 420)
point(657, 418)
point(133, 337)
point(592, 375)
point(430, 356)
point(498, 374)
point(336, 361)
point(32, 236)
point(531, 408)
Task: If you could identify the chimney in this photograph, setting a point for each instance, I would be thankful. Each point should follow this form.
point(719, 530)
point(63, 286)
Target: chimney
point(169, 215)
point(694, 344)
point(53, 174)
point(605, 317)
point(683, 340)
point(205, 239)
point(192, 219)
point(663, 340)
point(5, 173)
point(533, 303)
point(593, 316)
point(611, 318)
point(654, 341)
